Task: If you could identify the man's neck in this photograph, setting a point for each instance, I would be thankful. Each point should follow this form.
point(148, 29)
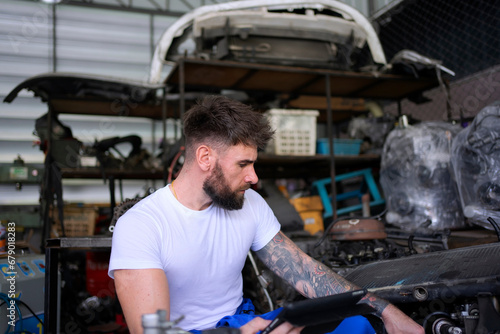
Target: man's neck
point(189, 192)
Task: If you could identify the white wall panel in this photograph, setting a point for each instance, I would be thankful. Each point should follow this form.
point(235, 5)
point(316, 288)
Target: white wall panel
point(25, 106)
point(102, 42)
point(88, 40)
point(93, 191)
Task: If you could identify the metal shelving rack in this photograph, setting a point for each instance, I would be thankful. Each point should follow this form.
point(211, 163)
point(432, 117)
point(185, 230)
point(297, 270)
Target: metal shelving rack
point(207, 75)
point(68, 94)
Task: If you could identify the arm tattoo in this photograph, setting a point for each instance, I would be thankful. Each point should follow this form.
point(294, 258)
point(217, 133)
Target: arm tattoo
point(309, 277)
point(378, 304)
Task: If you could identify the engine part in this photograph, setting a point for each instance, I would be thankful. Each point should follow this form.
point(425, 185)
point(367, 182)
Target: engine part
point(358, 229)
point(119, 210)
point(445, 326)
point(489, 319)
point(156, 323)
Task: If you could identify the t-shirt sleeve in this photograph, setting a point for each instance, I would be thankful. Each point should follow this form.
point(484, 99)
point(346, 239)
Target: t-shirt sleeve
point(268, 225)
point(136, 243)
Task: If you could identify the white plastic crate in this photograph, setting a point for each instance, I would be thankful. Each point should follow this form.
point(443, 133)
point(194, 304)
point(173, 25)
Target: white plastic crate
point(295, 131)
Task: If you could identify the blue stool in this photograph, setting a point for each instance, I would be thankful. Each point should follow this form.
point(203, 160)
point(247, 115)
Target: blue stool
point(321, 187)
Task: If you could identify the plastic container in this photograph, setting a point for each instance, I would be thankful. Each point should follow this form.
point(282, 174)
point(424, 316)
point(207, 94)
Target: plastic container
point(340, 146)
point(295, 131)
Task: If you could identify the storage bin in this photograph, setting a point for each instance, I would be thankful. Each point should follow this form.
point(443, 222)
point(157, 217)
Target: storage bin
point(340, 146)
point(295, 131)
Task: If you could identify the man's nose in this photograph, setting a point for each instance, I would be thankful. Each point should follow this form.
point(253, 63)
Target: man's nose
point(251, 177)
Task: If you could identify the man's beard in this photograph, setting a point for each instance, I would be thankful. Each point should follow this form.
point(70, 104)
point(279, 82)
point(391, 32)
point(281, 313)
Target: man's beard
point(216, 187)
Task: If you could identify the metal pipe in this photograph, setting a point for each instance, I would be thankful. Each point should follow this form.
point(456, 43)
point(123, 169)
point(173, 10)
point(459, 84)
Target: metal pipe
point(261, 281)
point(164, 134)
point(54, 39)
point(329, 125)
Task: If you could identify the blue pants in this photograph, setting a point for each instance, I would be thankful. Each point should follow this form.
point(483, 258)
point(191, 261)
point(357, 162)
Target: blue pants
point(246, 312)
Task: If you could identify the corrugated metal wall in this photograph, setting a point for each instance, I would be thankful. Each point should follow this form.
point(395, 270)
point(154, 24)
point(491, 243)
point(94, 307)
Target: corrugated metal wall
point(87, 40)
point(36, 38)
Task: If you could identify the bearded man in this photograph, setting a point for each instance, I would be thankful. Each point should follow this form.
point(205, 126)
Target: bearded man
point(182, 249)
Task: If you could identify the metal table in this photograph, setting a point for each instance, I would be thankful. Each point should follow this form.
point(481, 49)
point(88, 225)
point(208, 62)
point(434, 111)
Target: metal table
point(53, 247)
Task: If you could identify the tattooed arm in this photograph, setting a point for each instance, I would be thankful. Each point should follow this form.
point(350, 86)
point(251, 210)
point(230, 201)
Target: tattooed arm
point(313, 279)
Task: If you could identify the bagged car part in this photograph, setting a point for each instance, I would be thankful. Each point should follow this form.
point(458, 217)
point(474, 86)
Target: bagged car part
point(416, 178)
point(373, 130)
point(475, 158)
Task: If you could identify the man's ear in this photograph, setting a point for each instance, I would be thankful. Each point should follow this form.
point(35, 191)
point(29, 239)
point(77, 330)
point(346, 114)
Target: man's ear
point(204, 156)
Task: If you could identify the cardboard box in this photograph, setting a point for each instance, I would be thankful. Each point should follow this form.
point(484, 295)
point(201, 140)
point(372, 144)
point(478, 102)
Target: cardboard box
point(313, 221)
point(79, 221)
point(310, 210)
point(308, 203)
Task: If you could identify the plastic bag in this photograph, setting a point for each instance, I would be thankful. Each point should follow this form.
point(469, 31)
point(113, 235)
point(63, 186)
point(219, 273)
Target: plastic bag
point(417, 180)
point(475, 159)
point(374, 130)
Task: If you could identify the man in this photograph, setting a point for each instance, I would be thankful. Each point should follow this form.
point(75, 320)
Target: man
point(182, 248)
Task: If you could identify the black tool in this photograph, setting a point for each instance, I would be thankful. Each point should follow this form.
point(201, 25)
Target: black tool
point(321, 310)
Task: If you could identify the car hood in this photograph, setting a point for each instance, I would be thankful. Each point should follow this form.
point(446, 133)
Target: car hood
point(337, 20)
point(76, 93)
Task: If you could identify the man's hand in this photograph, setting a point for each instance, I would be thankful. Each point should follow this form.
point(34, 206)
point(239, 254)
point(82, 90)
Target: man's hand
point(258, 324)
point(396, 322)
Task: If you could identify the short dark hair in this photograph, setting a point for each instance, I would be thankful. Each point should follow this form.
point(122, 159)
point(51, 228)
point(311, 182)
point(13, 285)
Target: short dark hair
point(223, 122)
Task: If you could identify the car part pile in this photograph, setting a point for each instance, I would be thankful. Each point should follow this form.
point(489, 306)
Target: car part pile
point(445, 290)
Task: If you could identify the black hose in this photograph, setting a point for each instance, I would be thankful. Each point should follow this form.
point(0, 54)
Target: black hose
point(495, 226)
point(410, 244)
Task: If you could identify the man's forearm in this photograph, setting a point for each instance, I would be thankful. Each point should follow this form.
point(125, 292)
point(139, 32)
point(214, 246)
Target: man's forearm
point(325, 282)
point(309, 277)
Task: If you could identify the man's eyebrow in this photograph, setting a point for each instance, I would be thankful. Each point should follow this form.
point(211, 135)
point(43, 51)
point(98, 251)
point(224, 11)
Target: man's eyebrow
point(247, 161)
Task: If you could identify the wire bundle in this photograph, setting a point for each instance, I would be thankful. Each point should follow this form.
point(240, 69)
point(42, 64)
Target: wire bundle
point(7, 300)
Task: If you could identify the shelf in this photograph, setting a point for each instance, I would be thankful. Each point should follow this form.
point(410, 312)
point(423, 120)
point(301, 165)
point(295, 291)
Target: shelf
point(97, 173)
point(267, 166)
point(75, 93)
point(317, 166)
point(197, 74)
point(80, 242)
point(72, 93)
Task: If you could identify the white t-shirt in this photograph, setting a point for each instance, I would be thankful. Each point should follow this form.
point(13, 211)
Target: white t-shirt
point(201, 252)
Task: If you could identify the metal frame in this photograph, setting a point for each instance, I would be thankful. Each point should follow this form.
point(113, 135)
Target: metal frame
point(178, 77)
point(53, 247)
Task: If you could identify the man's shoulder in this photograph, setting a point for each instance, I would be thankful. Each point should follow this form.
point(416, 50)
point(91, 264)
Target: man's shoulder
point(149, 204)
point(251, 192)
point(253, 195)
